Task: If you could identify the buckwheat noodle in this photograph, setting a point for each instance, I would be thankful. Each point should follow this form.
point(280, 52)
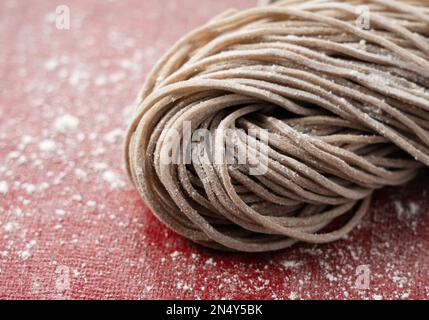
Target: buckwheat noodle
point(345, 103)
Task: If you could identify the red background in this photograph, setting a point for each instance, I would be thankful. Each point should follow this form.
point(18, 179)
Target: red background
point(72, 225)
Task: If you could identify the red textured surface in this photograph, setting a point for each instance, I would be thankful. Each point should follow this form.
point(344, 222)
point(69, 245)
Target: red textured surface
point(71, 224)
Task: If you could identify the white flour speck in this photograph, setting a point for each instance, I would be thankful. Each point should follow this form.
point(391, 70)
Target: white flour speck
point(31, 244)
point(114, 136)
point(114, 181)
point(91, 203)
point(78, 78)
point(4, 188)
point(60, 212)
point(331, 277)
point(29, 188)
point(414, 208)
point(10, 226)
point(116, 77)
point(100, 81)
point(24, 255)
point(398, 208)
point(210, 262)
point(174, 255)
point(76, 273)
point(99, 166)
point(51, 64)
point(293, 296)
point(66, 123)
point(25, 141)
point(80, 174)
point(290, 264)
point(77, 197)
point(47, 145)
